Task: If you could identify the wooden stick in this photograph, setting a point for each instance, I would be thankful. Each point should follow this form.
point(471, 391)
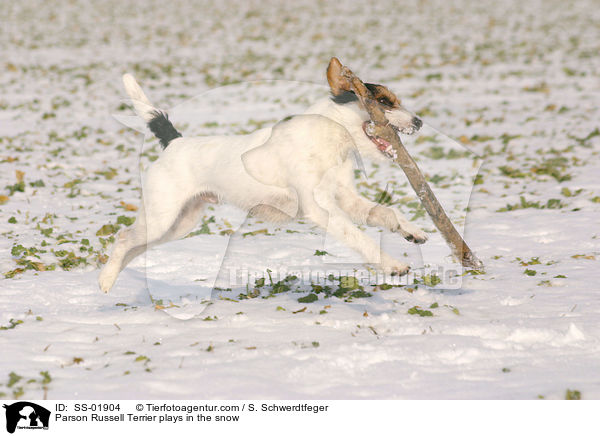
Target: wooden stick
point(342, 79)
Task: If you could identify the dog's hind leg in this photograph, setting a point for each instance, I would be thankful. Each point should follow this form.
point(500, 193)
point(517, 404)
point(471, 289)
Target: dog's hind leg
point(185, 223)
point(166, 214)
point(189, 216)
point(135, 240)
point(131, 242)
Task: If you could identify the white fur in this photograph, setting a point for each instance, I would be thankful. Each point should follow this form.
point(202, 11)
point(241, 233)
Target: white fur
point(299, 167)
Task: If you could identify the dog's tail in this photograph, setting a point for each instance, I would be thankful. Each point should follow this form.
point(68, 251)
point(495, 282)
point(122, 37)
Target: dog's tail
point(157, 120)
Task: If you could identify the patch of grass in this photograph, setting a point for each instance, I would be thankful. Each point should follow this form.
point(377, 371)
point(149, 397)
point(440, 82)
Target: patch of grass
point(27, 259)
point(568, 193)
point(453, 309)
point(108, 229)
point(310, 298)
point(416, 310)
point(283, 285)
point(204, 227)
point(349, 288)
point(258, 232)
point(17, 383)
point(584, 256)
point(572, 395)
point(554, 167)
point(13, 379)
point(584, 142)
point(512, 172)
point(12, 323)
point(70, 260)
point(553, 203)
point(437, 152)
point(125, 220)
point(108, 174)
point(532, 261)
point(431, 280)
point(17, 187)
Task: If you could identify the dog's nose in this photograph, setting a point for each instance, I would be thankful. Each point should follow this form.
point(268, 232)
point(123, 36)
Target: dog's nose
point(417, 122)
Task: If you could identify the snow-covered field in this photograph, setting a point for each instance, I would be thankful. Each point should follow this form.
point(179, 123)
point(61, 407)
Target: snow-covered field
point(510, 95)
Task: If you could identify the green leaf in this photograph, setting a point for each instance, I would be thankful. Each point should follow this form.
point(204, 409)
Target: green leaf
point(416, 310)
point(431, 280)
point(107, 229)
point(350, 283)
point(125, 220)
point(310, 298)
point(45, 377)
point(360, 294)
point(13, 379)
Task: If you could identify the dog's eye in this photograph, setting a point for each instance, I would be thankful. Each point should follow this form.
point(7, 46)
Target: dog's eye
point(384, 101)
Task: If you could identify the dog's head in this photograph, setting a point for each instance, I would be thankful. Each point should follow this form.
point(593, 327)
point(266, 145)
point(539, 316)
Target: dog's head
point(401, 120)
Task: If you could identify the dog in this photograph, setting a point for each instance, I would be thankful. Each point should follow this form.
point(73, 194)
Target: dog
point(301, 167)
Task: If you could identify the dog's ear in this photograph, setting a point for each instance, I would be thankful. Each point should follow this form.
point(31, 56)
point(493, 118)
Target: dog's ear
point(337, 82)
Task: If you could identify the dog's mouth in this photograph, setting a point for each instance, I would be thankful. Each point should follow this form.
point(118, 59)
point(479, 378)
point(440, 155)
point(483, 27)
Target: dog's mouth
point(382, 145)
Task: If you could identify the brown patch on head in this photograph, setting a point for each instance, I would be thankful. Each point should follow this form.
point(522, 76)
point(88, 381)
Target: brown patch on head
point(383, 95)
point(337, 82)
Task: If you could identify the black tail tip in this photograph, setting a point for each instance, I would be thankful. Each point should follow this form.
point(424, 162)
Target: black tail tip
point(162, 128)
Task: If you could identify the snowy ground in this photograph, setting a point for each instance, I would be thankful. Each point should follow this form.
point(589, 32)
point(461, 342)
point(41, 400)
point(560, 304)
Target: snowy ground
point(509, 93)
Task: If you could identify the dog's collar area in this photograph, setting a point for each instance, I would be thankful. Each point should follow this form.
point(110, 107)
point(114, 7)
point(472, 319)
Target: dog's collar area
point(382, 145)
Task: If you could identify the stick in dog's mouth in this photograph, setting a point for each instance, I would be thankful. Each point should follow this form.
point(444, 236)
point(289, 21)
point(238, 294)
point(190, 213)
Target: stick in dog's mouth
point(382, 144)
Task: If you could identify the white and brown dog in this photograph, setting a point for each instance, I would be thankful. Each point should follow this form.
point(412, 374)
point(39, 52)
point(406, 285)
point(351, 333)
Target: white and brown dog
point(301, 167)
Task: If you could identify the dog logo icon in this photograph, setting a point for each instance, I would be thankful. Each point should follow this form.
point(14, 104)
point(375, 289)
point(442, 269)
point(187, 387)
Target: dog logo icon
point(26, 415)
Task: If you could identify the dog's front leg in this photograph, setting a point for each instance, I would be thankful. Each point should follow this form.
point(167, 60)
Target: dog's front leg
point(333, 220)
point(363, 211)
point(394, 221)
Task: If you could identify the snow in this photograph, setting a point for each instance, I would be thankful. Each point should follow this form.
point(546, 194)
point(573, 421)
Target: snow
point(503, 95)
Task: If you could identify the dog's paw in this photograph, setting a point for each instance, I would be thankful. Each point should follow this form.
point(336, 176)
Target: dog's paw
point(106, 280)
point(413, 234)
point(400, 271)
point(394, 267)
